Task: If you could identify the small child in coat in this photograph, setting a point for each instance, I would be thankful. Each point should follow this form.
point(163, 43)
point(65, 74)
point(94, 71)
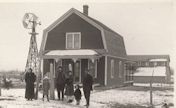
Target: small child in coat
point(77, 94)
point(46, 87)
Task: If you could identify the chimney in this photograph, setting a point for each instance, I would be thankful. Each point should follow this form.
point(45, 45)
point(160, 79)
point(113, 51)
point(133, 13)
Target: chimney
point(85, 9)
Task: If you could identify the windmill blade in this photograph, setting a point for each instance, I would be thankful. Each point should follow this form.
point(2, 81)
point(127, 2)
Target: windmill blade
point(25, 25)
point(35, 18)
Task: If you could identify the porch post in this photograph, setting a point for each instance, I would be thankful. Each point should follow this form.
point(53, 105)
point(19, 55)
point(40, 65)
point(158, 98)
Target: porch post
point(52, 94)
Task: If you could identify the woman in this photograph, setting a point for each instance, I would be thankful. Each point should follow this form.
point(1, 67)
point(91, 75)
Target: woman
point(30, 78)
point(69, 87)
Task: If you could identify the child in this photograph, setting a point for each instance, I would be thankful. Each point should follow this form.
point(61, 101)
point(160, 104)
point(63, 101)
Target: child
point(46, 86)
point(77, 94)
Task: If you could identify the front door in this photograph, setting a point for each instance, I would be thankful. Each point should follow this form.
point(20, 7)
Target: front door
point(77, 72)
point(75, 67)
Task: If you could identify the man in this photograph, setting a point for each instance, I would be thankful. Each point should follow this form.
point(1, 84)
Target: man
point(60, 83)
point(87, 86)
point(30, 78)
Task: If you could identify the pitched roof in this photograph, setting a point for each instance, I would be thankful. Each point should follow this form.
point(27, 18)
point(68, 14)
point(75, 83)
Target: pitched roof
point(147, 57)
point(113, 42)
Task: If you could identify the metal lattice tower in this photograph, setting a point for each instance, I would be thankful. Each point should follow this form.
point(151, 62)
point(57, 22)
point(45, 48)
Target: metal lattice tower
point(33, 58)
point(30, 21)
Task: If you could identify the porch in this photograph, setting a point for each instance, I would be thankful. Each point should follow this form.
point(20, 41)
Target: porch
point(73, 60)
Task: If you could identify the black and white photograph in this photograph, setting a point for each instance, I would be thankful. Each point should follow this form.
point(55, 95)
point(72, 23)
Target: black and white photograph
point(87, 54)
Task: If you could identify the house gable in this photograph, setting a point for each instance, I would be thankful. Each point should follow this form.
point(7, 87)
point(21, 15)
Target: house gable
point(112, 42)
point(61, 19)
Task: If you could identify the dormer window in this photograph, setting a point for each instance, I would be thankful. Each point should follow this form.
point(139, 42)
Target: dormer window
point(73, 40)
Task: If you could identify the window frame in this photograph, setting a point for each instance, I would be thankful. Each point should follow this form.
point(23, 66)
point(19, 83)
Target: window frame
point(120, 69)
point(112, 68)
point(73, 40)
point(95, 75)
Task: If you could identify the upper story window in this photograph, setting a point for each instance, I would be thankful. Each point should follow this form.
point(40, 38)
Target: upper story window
point(73, 40)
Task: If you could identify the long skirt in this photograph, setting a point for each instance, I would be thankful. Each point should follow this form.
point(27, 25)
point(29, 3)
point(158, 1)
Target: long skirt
point(29, 93)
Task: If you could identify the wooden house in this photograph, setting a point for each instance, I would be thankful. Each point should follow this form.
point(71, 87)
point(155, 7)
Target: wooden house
point(77, 42)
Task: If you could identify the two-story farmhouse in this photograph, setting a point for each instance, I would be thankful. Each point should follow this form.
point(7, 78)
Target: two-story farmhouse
point(76, 42)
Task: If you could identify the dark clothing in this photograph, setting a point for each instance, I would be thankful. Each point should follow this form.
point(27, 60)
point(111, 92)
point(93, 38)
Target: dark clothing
point(77, 94)
point(87, 96)
point(60, 92)
point(69, 86)
point(30, 79)
point(60, 84)
point(87, 86)
point(60, 79)
point(87, 82)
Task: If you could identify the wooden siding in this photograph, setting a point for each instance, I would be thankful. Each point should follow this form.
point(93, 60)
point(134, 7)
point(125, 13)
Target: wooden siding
point(146, 79)
point(90, 36)
point(116, 81)
point(115, 44)
point(100, 71)
point(46, 66)
point(84, 65)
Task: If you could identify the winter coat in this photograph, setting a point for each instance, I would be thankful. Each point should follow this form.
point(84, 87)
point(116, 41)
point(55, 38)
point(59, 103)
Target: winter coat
point(60, 80)
point(69, 86)
point(46, 86)
point(87, 82)
point(30, 78)
point(77, 94)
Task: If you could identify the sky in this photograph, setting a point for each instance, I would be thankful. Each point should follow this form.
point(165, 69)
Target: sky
point(147, 27)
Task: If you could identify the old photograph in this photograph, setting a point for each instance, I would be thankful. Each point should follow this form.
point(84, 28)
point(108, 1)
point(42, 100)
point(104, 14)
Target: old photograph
point(87, 54)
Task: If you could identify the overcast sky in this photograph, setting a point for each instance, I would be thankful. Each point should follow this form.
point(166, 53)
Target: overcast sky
point(145, 26)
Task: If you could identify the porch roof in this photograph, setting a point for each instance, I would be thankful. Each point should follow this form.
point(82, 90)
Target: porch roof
point(73, 54)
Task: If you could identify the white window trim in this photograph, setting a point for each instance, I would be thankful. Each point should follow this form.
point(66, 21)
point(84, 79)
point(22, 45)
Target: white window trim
point(95, 64)
point(73, 42)
point(96, 74)
point(125, 71)
point(112, 68)
point(120, 69)
point(79, 71)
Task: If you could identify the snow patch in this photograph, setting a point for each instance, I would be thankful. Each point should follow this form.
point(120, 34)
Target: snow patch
point(148, 71)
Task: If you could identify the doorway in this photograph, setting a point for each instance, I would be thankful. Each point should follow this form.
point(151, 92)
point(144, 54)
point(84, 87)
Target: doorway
point(75, 67)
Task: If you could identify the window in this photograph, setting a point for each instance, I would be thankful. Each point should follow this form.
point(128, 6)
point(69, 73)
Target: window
point(120, 69)
point(146, 63)
point(73, 40)
point(128, 72)
point(125, 71)
point(92, 65)
point(139, 63)
point(112, 68)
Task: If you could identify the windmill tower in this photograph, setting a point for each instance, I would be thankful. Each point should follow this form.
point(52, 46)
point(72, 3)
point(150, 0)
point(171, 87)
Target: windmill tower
point(30, 21)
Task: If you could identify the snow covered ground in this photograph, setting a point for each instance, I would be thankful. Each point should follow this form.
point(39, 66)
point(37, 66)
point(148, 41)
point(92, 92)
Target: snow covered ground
point(149, 71)
point(114, 98)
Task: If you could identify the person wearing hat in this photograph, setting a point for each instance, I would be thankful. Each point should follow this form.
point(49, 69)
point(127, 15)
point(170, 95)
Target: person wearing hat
point(46, 87)
point(60, 83)
point(30, 78)
point(87, 86)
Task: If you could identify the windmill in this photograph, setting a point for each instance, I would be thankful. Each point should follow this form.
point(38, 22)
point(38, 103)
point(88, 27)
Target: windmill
point(30, 21)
